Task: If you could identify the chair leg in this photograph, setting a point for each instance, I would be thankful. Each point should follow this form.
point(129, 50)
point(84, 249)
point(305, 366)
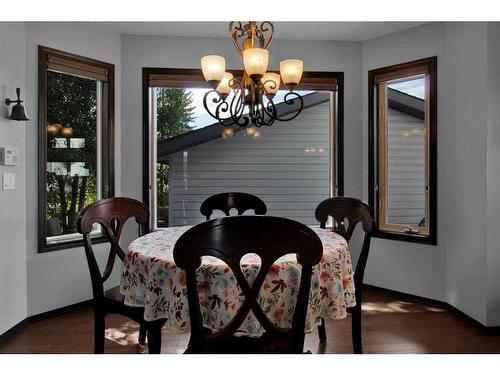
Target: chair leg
point(322, 331)
point(142, 334)
point(153, 330)
point(99, 327)
point(356, 331)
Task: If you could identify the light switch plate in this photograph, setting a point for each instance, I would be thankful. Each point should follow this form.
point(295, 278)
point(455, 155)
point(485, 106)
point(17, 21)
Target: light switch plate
point(9, 156)
point(9, 181)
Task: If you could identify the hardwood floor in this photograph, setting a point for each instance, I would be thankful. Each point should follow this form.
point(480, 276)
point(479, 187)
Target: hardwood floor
point(390, 325)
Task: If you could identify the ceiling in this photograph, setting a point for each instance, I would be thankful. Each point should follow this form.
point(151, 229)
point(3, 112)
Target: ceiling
point(338, 31)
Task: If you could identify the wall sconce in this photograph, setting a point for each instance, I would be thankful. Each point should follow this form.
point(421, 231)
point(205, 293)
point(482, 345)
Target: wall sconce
point(18, 112)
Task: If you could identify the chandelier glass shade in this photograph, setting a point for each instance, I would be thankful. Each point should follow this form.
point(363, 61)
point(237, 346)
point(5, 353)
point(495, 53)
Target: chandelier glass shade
point(249, 101)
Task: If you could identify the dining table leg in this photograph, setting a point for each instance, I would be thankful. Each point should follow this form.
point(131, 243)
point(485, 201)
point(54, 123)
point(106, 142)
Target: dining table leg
point(99, 328)
point(322, 331)
point(153, 330)
point(142, 334)
point(356, 330)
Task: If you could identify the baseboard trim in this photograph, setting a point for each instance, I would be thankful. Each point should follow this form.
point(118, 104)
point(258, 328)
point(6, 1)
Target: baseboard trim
point(407, 296)
point(59, 311)
point(45, 315)
point(444, 305)
point(12, 331)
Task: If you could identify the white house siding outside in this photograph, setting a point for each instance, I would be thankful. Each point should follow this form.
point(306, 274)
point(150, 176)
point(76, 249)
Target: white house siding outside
point(405, 172)
point(288, 167)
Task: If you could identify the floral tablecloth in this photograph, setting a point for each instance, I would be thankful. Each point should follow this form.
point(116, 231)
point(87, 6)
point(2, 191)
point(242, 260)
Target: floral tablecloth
point(151, 279)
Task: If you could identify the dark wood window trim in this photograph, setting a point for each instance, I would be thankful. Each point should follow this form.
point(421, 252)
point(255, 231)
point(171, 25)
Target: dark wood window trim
point(68, 62)
point(326, 81)
point(373, 140)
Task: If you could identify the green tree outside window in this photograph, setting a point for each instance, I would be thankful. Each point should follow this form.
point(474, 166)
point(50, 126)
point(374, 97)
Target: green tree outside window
point(175, 113)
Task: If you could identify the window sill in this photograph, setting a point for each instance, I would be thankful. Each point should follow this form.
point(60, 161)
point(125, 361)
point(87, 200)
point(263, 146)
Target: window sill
point(405, 237)
point(45, 248)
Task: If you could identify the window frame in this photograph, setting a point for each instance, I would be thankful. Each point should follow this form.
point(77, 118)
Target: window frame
point(107, 138)
point(184, 77)
point(404, 70)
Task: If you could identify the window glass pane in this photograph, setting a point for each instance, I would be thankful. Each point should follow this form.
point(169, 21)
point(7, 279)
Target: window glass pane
point(72, 153)
point(405, 151)
point(288, 165)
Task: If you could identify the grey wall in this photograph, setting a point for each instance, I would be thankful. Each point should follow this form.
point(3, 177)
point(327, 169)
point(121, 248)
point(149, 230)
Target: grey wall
point(61, 278)
point(13, 305)
point(275, 167)
point(404, 266)
point(493, 176)
point(463, 268)
point(462, 170)
point(33, 283)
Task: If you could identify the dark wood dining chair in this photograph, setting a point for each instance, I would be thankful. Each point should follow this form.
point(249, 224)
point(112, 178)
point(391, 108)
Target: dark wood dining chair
point(112, 214)
point(346, 214)
point(226, 201)
point(229, 239)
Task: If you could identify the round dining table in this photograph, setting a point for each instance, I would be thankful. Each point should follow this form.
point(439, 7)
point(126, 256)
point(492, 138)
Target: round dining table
point(151, 279)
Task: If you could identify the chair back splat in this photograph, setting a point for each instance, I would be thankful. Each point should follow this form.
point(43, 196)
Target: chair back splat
point(111, 214)
point(347, 213)
point(229, 239)
point(226, 201)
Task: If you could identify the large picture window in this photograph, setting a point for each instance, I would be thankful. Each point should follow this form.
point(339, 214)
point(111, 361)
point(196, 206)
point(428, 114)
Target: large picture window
point(75, 142)
point(189, 156)
point(402, 117)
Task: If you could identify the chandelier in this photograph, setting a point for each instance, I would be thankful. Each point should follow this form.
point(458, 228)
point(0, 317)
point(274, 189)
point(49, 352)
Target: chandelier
point(249, 101)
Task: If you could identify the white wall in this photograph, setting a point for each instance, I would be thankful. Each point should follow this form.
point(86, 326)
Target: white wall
point(493, 175)
point(61, 278)
point(463, 268)
point(275, 167)
point(404, 266)
point(462, 170)
point(13, 305)
point(41, 282)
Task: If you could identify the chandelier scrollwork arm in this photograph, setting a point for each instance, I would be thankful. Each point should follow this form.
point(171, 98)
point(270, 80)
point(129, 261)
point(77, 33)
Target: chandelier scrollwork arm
point(236, 31)
point(290, 99)
point(270, 85)
point(251, 100)
point(237, 107)
point(222, 109)
point(221, 106)
point(265, 27)
point(266, 113)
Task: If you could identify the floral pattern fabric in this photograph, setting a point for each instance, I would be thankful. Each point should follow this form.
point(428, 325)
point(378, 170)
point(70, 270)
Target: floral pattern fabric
point(150, 279)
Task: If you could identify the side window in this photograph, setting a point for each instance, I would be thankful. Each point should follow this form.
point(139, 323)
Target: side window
point(402, 112)
point(75, 142)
